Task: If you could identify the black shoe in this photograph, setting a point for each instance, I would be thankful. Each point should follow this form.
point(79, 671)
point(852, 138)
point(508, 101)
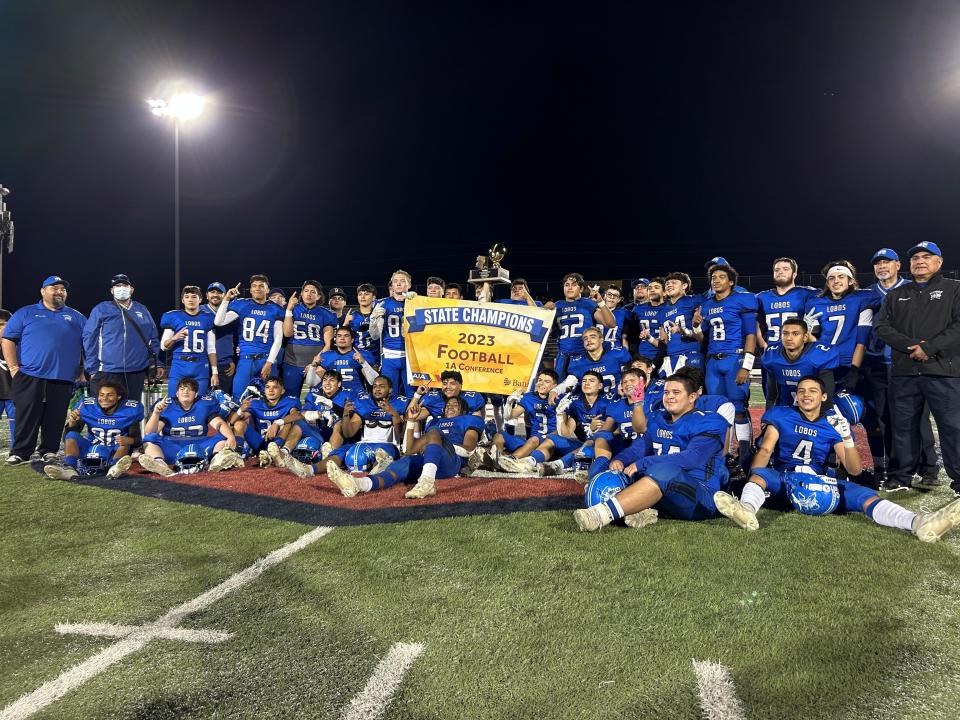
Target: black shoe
point(892, 486)
point(13, 460)
point(870, 479)
point(929, 480)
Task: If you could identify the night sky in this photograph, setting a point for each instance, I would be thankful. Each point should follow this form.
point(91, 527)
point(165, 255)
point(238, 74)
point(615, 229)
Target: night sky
point(348, 139)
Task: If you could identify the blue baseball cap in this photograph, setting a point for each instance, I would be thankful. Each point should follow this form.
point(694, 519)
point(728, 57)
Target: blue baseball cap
point(925, 247)
point(641, 281)
point(55, 280)
point(718, 260)
point(120, 279)
point(216, 286)
point(885, 254)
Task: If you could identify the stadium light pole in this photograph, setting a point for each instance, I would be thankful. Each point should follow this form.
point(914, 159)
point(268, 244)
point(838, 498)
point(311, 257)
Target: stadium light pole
point(180, 107)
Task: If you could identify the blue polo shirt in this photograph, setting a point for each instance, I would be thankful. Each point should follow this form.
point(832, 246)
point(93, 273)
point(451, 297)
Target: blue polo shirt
point(49, 342)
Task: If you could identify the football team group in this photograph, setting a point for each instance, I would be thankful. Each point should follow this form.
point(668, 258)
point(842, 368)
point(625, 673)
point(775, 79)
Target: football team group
point(646, 402)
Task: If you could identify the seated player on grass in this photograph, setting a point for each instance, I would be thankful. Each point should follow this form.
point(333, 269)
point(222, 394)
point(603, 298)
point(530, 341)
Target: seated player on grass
point(578, 418)
point(270, 424)
point(793, 358)
point(534, 411)
point(432, 404)
point(798, 441)
point(622, 411)
point(376, 420)
point(322, 410)
point(436, 455)
point(681, 469)
point(111, 421)
point(185, 420)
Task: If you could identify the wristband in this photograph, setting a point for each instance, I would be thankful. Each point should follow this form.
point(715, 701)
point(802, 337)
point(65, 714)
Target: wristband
point(848, 442)
point(214, 371)
point(747, 363)
point(279, 422)
point(288, 313)
point(416, 434)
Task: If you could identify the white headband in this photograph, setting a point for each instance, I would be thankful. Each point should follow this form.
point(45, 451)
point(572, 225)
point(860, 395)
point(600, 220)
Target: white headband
point(839, 269)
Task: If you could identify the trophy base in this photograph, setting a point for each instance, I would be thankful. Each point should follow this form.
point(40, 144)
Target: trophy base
point(494, 276)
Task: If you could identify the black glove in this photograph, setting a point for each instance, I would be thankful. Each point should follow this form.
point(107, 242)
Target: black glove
point(851, 379)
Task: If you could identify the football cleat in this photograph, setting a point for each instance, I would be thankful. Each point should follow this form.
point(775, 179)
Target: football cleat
point(582, 476)
point(263, 459)
point(732, 508)
point(930, 527)
point(120, 467)
point(589, 519)
point(343, 480)
point(475, 461)
point(325, 450)
point(58, 472)
point(554, 467)
point(524, 466)
point(300, 469)
point(276, 454)
point(155, 465)
point(383, 461)
point(223, 460)
point(641, 519)
point(423, 488)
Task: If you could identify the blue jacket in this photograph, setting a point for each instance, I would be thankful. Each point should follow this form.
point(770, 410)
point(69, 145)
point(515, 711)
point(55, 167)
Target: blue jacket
point(111, 345)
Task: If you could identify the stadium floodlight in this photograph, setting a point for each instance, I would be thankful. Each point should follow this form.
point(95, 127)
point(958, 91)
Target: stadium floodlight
point(179, 107)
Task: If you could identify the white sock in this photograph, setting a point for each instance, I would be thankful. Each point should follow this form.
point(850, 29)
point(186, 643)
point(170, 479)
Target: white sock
point(744, 430)
point(753, 496)
point(429, 472)
point(365, 484)
point(892, 515)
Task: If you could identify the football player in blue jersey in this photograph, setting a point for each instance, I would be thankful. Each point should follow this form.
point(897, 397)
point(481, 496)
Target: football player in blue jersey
point(322, 410)
point(260, 330)
point(731, 320)
point(359, 321)
point(309, 328)
point(719, 260)
point(433, 402)
point(624, 411)
point(352, 364)
point(189, 334)
point(647, 316)
point(575, 314)
point(185, 420)
point(386, 325)
point(607, 363)
point(271, 423)
point(798, 441)
point(226, 336)
point(682, 339)
point(613, 336)
point(111, 420)
point(791, 358)
point(681, 469)
point(520, 295)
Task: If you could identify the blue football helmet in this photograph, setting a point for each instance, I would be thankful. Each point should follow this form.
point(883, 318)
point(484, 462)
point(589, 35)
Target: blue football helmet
point(360, 457)
point(191, 459)
point(307, 450)
point(95, 462)
point(849, 405)
point(253, 391)
point(227, 404)
point(812, 494)
point(604, 486)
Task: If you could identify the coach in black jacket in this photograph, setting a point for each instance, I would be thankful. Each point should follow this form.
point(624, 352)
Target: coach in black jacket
point(920, 321)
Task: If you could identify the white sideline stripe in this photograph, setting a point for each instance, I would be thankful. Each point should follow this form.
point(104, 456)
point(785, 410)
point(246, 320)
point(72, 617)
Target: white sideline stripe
point(55, 689)
point(371, 702)
point(718, 695)
point(121, 631)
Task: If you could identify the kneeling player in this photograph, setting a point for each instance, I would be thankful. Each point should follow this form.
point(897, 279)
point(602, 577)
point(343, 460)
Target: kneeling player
point(681, 470)
point(802, 438)
point(437, 454)
point(112, 429)
point(184, 420)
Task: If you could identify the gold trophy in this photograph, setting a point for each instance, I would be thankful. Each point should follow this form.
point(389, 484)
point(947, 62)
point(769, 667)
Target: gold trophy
point(488, 270)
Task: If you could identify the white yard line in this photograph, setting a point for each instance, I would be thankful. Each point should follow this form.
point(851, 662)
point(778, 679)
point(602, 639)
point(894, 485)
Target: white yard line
point(371, 702)
point(718, 695)
point(138, 637)
point(122, 631)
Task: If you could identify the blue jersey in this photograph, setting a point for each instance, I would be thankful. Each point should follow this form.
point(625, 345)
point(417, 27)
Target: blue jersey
point(104, 427)
point(454, 429)
point(377, 422)
point(609, 366)
point(255, 323)
point(573, 317)
point(719, 405)
point(350, 370)
point(309, 324)
point(802, 441)
point(541, 416)
point(49, 342)
point(877, 351)
point(653, 396)
point(392, 337)
point(511, 301)
point(197, 342)
point(680, 314)
point(191, 423)
point(694, 442)
point(621, 410)
point(226, 337)
point(647, 317)
point(263, 413)
point(330, 409)
point(360, 324)
point(584, 413)
point(729, 322)
point(434, 401)
point(774, 308)
point(613, 336)
point(813, 360)
point(844, 323)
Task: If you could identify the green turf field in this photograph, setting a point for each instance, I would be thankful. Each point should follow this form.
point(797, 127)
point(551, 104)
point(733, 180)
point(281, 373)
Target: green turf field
point(521, 615)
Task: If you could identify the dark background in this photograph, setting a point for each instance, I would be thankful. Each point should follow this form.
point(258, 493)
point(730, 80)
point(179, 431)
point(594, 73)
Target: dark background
point(348, 139)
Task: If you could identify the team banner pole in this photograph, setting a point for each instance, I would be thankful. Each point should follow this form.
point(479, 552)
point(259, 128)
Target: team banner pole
point(495, 346)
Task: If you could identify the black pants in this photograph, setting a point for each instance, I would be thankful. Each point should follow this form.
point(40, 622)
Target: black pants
point(908, 393)
point(879, 384)
point(41, 406)
point(132, 381)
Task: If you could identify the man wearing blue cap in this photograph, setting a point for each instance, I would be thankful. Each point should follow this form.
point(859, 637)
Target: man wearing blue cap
point(876, 364)
point(226, 336)
point(920, 321)
point(42, 347)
